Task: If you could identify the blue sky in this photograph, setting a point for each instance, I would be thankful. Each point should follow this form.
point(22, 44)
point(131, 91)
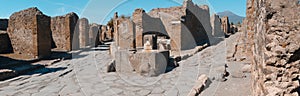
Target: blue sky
point(100, 11)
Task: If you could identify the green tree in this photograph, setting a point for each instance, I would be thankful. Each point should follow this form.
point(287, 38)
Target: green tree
point(239, 24)
point(110, 22)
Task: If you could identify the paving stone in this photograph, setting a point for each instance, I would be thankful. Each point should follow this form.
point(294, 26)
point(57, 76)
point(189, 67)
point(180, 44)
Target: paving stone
point(144, 92)
point(157, 90)
point(116, 90)
point(133, 88)
point(109, 78)
point(108, 93)
point(129, 93)
point(101, 87)
point(172, 92)
point(156, 95)
point(167, 86)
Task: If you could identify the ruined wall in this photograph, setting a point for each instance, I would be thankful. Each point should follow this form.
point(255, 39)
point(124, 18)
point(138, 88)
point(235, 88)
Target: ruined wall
point(94, 35)
point(187, 25)
point(216, 26)
point(30, 33)
point(273, 35)
point(103, 30)
point(174, 12)
point(137, 19)
point(197, 20)
point(171, 20)
point(109, 33)
point(125, 37)
point(63, 28)
point(83, 32)
point(225, 25)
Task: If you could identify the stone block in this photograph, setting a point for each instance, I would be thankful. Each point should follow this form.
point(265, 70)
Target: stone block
point(30, 33)
point(151, 63)
point(202, 83)
point(122, 61)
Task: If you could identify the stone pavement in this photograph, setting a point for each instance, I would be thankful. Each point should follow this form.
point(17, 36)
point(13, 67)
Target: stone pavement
point(86, 74)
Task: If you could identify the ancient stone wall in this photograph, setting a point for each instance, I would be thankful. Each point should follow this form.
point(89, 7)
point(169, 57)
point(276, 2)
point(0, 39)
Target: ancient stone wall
point(3, 24)
point(187, 25)
point(216, 26)
point(197, 20)
point(171, 20)
point(94, 35)
point(103, 30)
point(137, 19)
point(83, 32)
point(273, 35)
point(63, 29)
point(110, 33)
point(225, 25)
point(125, 37)
point(30, 33)
point(174, 12)
point(217, 32)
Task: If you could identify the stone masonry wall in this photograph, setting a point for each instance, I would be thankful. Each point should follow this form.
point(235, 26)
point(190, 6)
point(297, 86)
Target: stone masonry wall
point(126, 34)
point(171, 20)
point(83, 32)
point(30, 34)
point(94, 35)
point(216, 26)
point(273, 30)
point(63, 28)
point(137, 19)
point(197, 20)
point(225, 25)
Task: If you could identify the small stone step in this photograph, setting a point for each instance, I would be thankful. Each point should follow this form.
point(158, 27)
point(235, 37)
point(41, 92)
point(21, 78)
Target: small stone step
point(6, 73)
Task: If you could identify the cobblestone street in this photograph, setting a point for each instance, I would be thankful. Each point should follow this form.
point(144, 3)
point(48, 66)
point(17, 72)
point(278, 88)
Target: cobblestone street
point(86, 74)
